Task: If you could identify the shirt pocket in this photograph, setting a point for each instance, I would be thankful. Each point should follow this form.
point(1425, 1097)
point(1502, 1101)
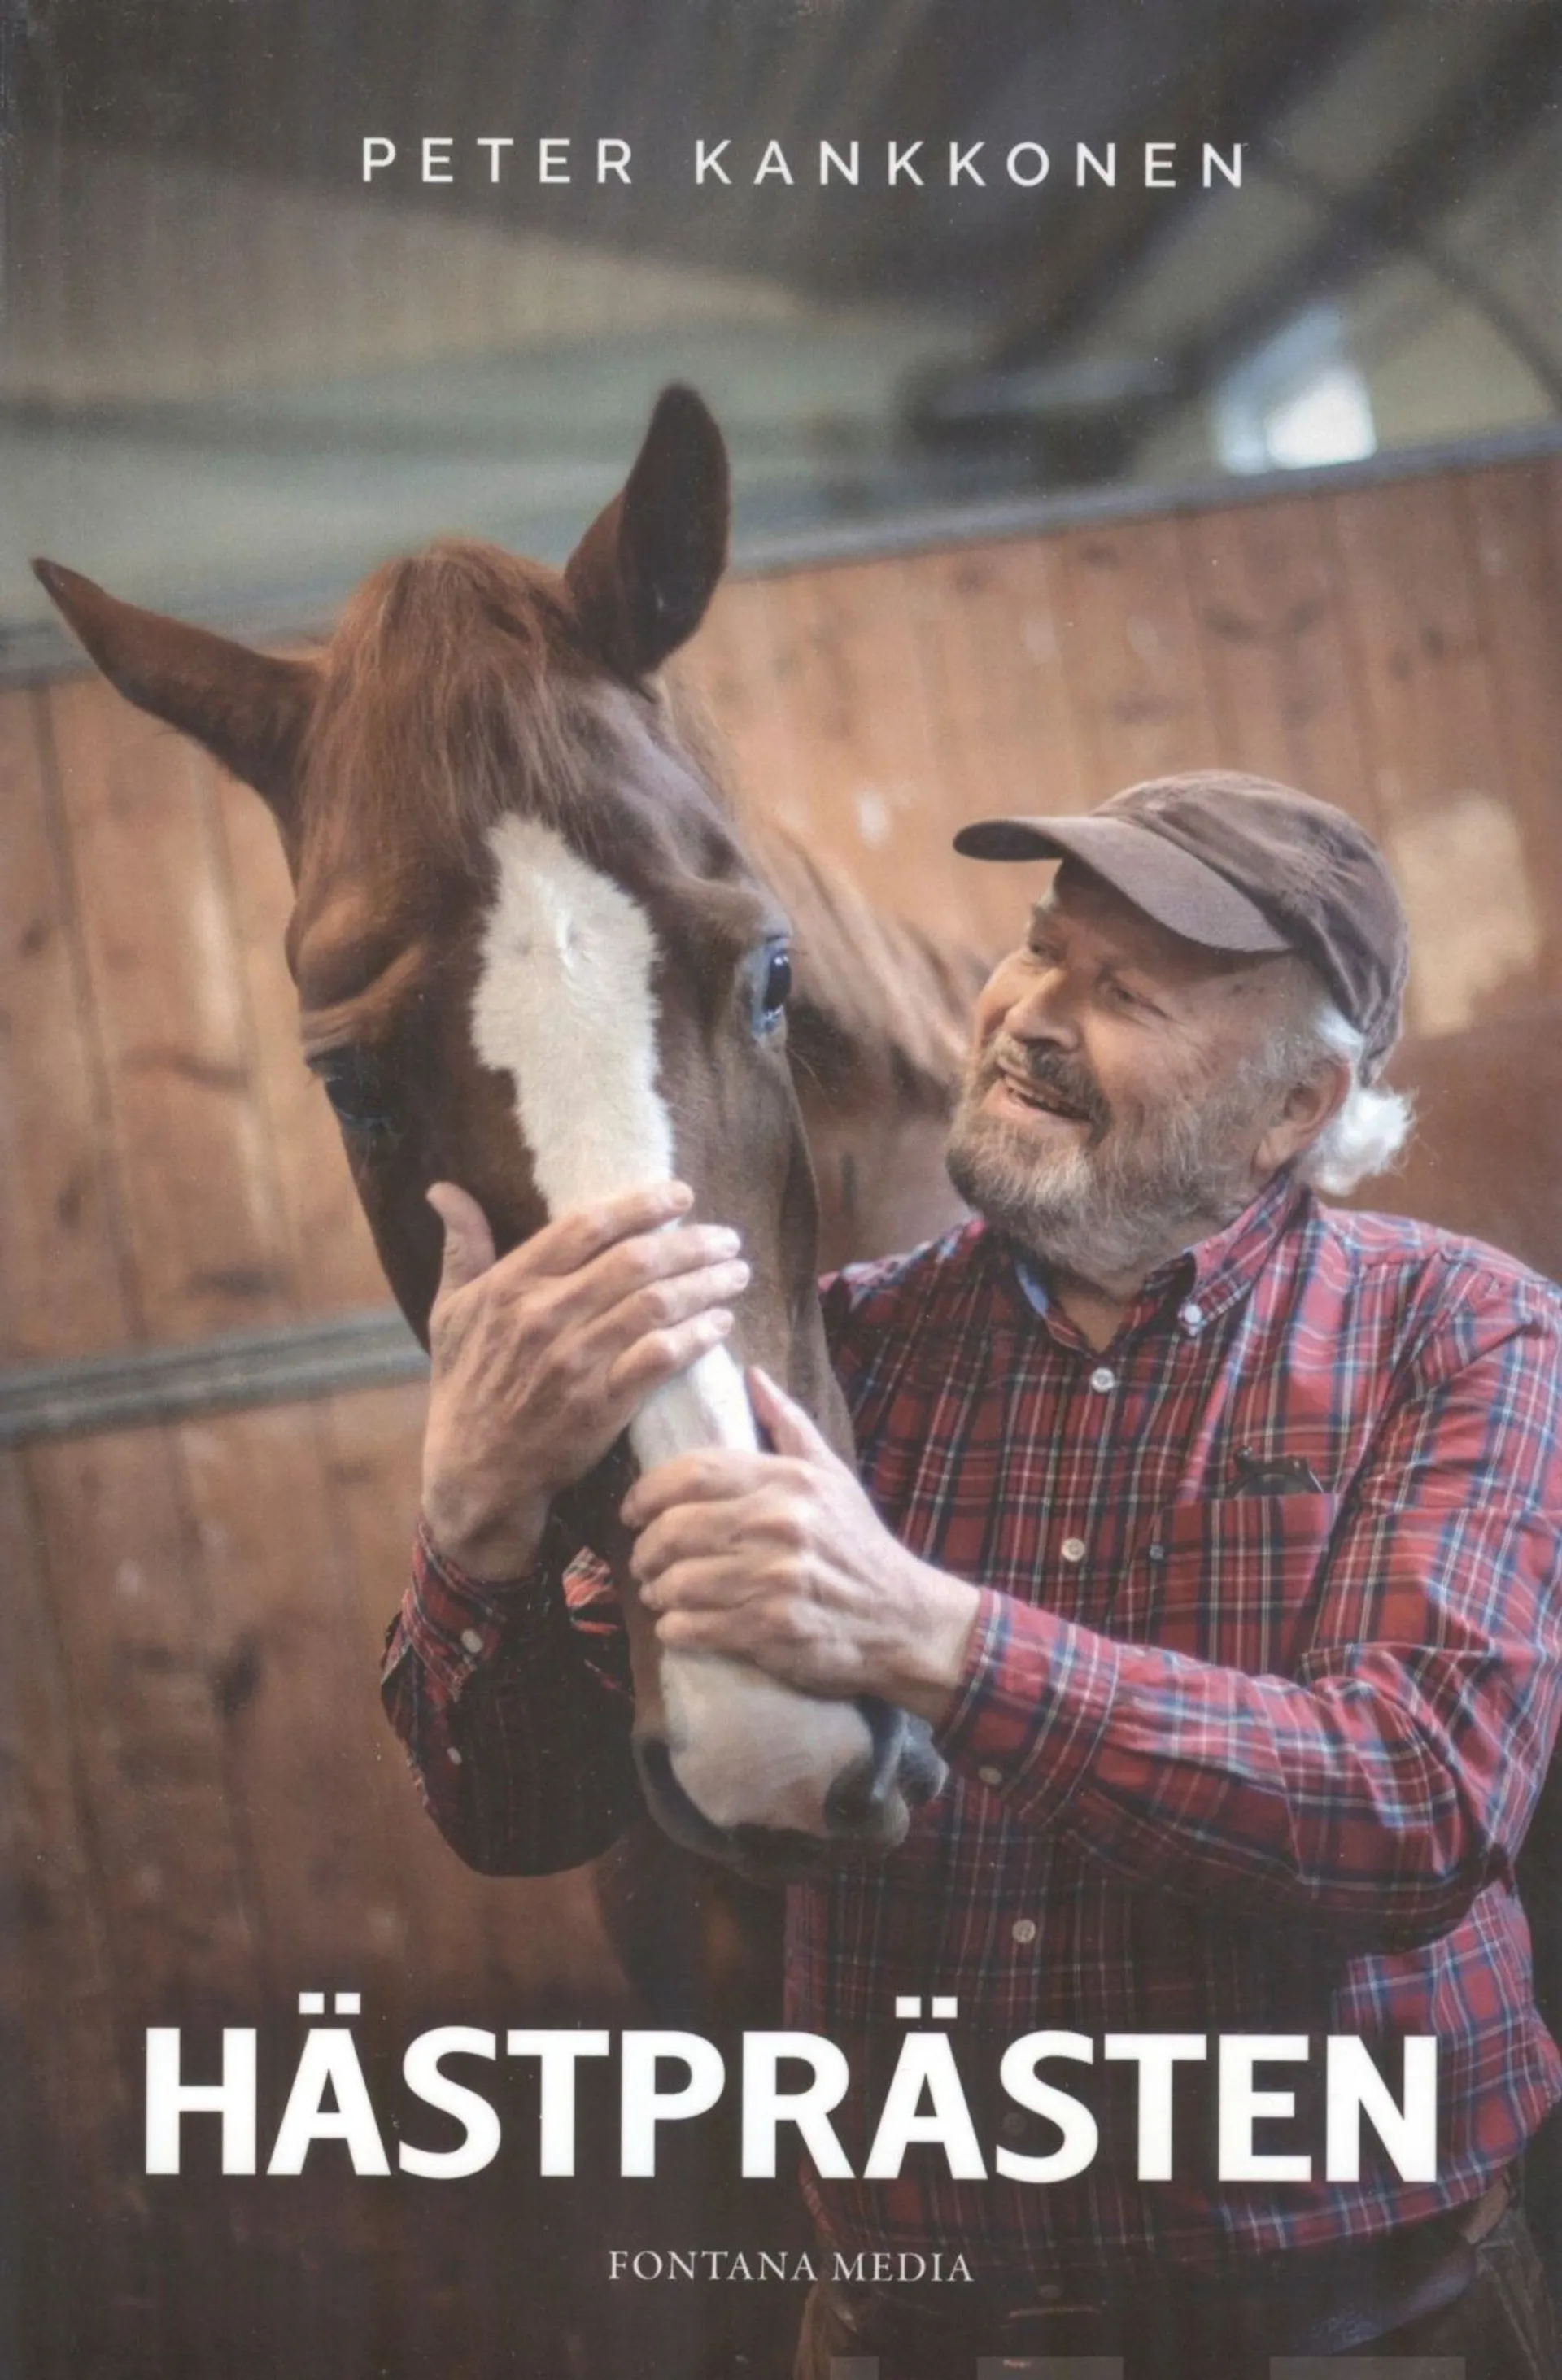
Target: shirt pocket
point(1236, 1581)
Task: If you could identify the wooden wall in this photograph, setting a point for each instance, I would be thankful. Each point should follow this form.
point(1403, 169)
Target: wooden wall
point(205, 1812)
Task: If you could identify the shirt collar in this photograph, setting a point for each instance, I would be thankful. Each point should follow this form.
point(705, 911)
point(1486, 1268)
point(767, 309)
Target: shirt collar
point(1205, 1281)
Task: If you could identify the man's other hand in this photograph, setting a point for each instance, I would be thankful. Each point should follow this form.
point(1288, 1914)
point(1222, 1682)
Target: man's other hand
point(540, 1357)
point(780, 1558)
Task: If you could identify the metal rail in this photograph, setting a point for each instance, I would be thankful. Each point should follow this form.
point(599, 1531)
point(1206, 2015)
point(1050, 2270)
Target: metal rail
point(139, 1386)
point(37, 650)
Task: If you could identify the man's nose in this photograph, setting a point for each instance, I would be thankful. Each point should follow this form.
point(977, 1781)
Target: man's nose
point(1044, 1011)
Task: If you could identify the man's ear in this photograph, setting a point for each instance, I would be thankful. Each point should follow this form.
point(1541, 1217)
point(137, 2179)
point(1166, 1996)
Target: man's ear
point(1308, 1109)
point(646, 569)
point(249, 709)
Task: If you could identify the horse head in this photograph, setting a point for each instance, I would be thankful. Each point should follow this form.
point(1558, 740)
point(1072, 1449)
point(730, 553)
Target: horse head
point(533, 958)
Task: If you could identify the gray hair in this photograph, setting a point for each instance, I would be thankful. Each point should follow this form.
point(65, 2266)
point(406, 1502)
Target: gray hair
point(1370, 1129)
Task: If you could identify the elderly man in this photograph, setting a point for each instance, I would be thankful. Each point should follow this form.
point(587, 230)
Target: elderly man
point(1214, 1532)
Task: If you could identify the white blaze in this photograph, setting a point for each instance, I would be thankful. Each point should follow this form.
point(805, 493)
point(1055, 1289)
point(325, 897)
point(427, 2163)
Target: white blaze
point(564, 1006)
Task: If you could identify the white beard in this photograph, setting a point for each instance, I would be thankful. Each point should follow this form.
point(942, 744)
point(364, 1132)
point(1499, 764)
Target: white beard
point(1113, 1204)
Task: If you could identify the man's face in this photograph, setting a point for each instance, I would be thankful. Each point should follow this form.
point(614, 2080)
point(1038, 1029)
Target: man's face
point(1125, 1089)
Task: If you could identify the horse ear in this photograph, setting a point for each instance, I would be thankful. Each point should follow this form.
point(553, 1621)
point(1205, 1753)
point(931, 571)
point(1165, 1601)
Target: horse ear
point(647, 567)
point(248, 709)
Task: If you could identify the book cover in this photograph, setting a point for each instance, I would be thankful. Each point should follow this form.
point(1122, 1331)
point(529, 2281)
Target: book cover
point(1095, 396)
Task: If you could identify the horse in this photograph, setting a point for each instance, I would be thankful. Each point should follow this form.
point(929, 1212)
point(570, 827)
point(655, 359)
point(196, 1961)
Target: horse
point(533, 957)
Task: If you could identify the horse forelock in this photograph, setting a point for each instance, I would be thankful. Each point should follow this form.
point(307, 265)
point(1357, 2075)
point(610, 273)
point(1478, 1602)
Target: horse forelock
point(458, 690)
point(452, 694)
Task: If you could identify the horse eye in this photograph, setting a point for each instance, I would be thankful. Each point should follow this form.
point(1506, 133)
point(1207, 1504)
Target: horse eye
point(773, 988)
point(352, 1083)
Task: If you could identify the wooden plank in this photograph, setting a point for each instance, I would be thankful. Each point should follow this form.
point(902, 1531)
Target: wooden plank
point(1514, 516)
point(168, 994)
point(850, 665)
point(67, 1291)
point(1486, 1154)
point(1129, 649)
point(739, 668)
point(119, 1560)
point(1448, 821)
point(254, 1724)
point(1003, 715)
point(287, 2291)
point(77, 2299)
point(1004, 710)
point(144, 1688)
point(145, 1680)
point(142, 1725)
point(293, 1700)
point(1273, 638)
point(331, 1256)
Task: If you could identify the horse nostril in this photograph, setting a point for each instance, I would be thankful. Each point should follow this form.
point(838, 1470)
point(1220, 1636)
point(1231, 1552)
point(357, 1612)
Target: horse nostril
point(864, 1798)
point(922, 1767)
point(857, 1801)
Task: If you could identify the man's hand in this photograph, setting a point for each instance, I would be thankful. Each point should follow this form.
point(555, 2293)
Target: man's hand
point(541, 1358)
point(781, 1559)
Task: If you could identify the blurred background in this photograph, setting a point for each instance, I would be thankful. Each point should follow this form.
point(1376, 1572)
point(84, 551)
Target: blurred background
point(233, 375)
point(1038, 490)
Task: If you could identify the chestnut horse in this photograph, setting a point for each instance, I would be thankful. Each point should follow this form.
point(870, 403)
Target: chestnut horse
point(533, 957)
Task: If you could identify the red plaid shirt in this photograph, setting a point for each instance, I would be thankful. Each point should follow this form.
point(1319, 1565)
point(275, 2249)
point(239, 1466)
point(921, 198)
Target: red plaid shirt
point(1265, 1683)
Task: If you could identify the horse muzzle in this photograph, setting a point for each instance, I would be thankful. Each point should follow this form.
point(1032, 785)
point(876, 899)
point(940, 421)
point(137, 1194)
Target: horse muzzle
point(821, 1812)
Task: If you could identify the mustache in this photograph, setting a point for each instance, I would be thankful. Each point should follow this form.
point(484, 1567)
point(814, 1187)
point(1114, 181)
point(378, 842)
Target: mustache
point(1049, 1070)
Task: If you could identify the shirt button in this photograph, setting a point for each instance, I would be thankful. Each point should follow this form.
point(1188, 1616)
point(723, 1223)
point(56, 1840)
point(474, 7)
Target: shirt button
point(471, 1640)
point(1072, 1549)
point(1191, 1316)
point(1103, 1379)
point(1013, 2124)
point(1156, 1553)
point(991, 1776)
point(453, 1756)
point(1024, 1929)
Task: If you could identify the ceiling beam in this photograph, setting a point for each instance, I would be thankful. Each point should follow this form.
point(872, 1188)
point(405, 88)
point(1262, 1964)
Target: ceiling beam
point(1060, 283)
point(1424, 177)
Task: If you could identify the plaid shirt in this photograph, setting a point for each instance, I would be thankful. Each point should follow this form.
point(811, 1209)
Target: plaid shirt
point(1264, 1685)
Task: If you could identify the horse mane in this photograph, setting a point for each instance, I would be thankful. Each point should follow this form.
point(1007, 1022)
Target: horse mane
point(877, 999)
point(879, 1004)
